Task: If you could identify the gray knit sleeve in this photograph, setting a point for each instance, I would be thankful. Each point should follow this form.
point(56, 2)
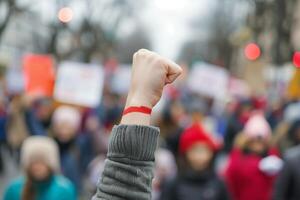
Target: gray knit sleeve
point(128, 170)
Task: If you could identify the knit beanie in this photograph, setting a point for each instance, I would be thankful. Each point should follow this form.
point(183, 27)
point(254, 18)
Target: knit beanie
point(40, 148)
point(257, 126)
point(195, 134)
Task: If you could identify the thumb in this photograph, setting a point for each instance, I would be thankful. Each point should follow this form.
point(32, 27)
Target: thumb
point(173, 72)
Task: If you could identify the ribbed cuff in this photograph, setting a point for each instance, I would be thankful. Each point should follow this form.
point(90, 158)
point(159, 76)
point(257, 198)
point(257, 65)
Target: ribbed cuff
point(134, 142)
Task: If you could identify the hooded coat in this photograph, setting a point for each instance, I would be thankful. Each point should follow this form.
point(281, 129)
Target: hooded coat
point(57, 187)
point(244, 177)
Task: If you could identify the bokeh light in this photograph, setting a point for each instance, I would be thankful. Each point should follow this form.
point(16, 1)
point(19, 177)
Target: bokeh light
point(296, 59)
point(252, 51)
point(65, 14)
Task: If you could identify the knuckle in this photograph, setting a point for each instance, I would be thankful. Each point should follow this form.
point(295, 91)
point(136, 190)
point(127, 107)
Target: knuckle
point(134, 56)
point(143, 53)
point(159, 61)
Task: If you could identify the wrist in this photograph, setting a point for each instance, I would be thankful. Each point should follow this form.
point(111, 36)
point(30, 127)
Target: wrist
point(134, 100)
point(136, 118)
point(139, 109)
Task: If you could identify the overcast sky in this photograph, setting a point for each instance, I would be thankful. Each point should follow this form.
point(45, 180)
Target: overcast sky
point(168, 22)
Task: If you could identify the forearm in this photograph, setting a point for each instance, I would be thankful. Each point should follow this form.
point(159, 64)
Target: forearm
point(128, 169)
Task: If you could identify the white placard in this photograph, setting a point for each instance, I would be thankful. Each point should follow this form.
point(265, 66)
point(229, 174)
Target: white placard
point(15, 80)
point(238, 88)
point(121, 79)
point(209, 80)
point(79, 83)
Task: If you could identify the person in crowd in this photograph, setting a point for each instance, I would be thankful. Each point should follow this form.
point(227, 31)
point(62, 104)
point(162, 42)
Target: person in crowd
point(109, 110)
point(274, 114)
point(196, 179)
point(287, 185)
point(38, 111)
point(192, 112)
point(288, 134)
point(42, 180)
point(294, 133)
point(128, 170)
point(94, 172)
point(3, 135)
point(165, 170)
point(65, 125)
point(236, 122)
point(94, 151)
point(253, 164)
point(94, 139)
point(16, 129)
point(171, 125)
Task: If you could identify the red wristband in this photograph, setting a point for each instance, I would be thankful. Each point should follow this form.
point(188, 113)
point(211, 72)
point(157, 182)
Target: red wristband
point(140, 109)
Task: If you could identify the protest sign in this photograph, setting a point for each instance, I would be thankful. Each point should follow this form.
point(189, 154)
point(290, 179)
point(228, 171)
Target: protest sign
point(238, 88)
point(14, 80)
point(39, 74)
point(121, 79)
point(209, 80)
point(79, 84)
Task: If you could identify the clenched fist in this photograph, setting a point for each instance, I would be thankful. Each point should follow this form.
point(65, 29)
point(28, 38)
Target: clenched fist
point(150, 73)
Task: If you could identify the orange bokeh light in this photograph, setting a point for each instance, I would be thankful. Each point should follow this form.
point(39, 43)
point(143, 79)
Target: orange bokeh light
point(252, 51)
point(65, 14)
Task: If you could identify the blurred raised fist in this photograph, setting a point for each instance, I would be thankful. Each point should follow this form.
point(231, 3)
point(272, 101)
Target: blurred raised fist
point(150, 73)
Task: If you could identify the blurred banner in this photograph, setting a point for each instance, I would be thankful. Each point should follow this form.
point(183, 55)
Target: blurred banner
point(14, 80)
point(209, 80)
point(238, 88)
point(121, 79)
point(39, 75)
point(80, 84)
point(253, 74)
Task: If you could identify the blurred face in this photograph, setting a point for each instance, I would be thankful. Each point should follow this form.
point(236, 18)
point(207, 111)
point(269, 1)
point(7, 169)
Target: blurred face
point(177, 111)
point(44, 111)
point(257, 145)
point(64, 131)
point(39, 171)
point(92, 123)
point(197, 117)
point(199, 156)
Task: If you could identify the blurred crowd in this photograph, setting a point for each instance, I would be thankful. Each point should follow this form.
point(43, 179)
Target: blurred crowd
point(248, 151)
point(244, 150)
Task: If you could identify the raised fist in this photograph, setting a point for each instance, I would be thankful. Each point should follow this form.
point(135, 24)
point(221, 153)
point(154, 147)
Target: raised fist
point(150, 73)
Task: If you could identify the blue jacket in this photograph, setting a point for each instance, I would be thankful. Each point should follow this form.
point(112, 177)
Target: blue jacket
point(57, 187)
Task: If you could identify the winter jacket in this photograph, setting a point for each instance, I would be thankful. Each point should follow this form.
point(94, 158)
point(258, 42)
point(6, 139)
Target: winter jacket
point(128, 170)
point(193, 186)
point(3, 120)
point(244, 178)
point(57, 187)
point(287, 186)
point(34, 126)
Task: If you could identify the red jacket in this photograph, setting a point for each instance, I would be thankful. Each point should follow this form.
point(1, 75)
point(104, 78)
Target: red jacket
point(244, 179)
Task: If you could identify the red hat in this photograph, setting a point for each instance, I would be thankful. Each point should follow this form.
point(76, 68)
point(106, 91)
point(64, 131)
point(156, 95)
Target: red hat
point(193, 135)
